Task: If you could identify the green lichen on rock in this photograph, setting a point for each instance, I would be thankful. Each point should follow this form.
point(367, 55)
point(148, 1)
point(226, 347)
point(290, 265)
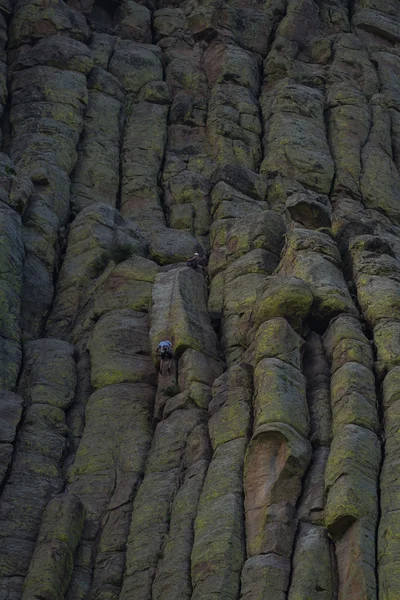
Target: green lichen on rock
point(280, 395)
point(350, 478)
point(117, 356)
point(51, 565)
point(287, 297)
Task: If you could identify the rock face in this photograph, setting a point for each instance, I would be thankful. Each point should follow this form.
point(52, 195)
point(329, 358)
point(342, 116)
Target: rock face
point(261, 462)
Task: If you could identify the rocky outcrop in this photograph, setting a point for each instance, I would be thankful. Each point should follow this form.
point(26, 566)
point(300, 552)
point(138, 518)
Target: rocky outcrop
point(261, 461)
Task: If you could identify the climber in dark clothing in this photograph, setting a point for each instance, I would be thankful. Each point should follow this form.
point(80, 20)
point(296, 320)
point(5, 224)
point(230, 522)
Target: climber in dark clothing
point(195, 261)
point(164, 351)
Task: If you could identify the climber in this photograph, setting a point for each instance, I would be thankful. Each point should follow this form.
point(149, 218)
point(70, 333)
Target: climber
point(164, 351)
point(195, 261)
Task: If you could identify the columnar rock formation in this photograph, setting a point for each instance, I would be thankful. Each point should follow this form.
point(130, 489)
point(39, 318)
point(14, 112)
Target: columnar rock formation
point(263, 464)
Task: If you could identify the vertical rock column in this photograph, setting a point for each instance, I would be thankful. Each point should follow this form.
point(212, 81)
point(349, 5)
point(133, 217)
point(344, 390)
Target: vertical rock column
point(296, 153)
point(255, 242)
point(349, 114)
point(237, 206)
point(109, 328)
point(377, 27)
point(313, 561)
point(47, 385)
point(11, 411)
point(127, 284)
point(352, 470)
point(98, 239)
point(364, 139)
point(329, 297)
point(246, 243)
point(187, 168)
point(103, 294)
point(238, 194)
point(313, 256)
point(4, 16)
point(297, 158)
point(234, 37)
point(48, 94)
point(11, 268)
point(48, 98)
point(96, 177)
point(295, 142)
point(233, 134)
point(375, 271)
point(51, 565)
point(98, 236)
point(219, 537)
point(110, 459)
point(14, 193)
point(97, 173)
point(233, 125)
point(244, 310)
point(389, 526)
point(138, 67)
point(367, 99)
point(298, 161)
point(276, 460)
point(161, 534)
point(291, 298)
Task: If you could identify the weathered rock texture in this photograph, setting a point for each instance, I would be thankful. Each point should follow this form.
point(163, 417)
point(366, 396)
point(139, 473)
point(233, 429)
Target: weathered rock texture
point(262, 463)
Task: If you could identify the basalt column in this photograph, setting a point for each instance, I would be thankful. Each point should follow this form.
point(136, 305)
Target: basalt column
point(48, 99)
point(102, 306)
point(161, 534)
point(47, 387)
